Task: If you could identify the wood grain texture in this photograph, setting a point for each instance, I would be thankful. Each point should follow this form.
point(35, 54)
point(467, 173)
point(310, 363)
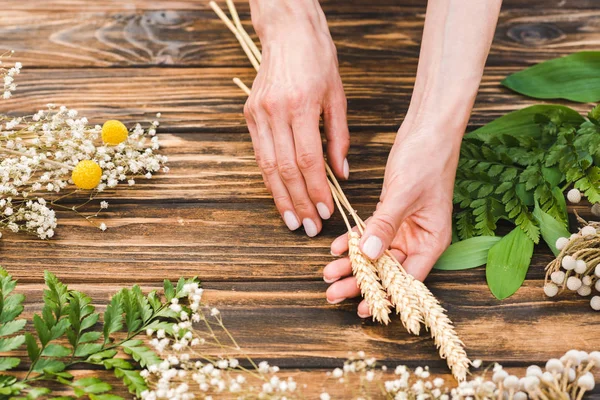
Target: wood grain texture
point(211, 216)
point(80, 37)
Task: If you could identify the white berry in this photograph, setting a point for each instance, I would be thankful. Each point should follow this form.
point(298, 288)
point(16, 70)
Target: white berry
point(584, 290)
point(574, 196)
point(550, 289)
point(561, 242)
point(573, 283)
point(580, 266)
point(569, 263)
point(595, 303)
point(588, 231)
point(558, 277)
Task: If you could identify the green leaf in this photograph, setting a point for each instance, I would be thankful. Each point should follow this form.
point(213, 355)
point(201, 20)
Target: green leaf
point(131, 308)
point(132, 379)
point(56, 350)
point(56, 296)
point(113, 317)
point(91, 336)
point(89, 321)
point(469, 253)
point(112, 363)
point(33, 349)
point(551, 228)
point(36, 393)
point(12, 343)
point(574, 77)
point(106, 396)
point(48, 364)
point(508, 262)
point(141, 354)
point(169, 290)
point(92, 385)
point(8, 363)
point(12, 327)
point(12, 307)
point(98, 357)
point(521, 123)
point(85, 349)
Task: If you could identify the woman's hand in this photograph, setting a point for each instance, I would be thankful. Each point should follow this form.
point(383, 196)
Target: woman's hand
point(413, 217)
point(298, 81)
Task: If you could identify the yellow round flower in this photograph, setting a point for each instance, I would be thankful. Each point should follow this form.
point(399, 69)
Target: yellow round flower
point(114, 132)
point(86, 174)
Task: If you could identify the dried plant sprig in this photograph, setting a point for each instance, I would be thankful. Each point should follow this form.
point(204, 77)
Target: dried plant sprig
point(399, 288)
point(409, 296)
point(418, 304)
point(42, 155)
point(368, 281)
point(577, 266)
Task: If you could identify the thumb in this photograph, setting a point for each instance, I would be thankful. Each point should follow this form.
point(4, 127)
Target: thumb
point(338, 137)
point(383, 226)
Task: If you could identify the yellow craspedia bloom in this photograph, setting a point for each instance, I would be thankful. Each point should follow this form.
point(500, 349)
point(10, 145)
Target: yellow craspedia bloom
point(86, 174)
point(114, 132)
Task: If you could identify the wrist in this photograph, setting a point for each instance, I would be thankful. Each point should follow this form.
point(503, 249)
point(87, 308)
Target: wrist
point(271, 18)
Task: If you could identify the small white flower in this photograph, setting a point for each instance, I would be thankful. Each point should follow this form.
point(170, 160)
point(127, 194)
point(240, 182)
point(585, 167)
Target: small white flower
point(325, 396)
point(103, 227)
point(104, 204)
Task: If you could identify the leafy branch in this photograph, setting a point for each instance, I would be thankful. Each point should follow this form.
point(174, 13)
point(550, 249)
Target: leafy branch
point(69, 331)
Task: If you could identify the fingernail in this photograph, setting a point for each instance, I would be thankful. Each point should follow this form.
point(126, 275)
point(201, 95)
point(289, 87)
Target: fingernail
point(372, 247)
point(323, 210)
point(330, 280)
point(291, 221)
point(346, 168)
point(334, 254)
point(309, 227)
point(336, 301)
point(363, 315)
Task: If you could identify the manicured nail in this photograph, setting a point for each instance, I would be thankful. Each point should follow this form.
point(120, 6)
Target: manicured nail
point(336, 301)
point(372, 247)
point(346, 168)
point(291, 221)
point(309, 227)
point(331, 280)
point(363, 315)
point(323, 210)
point(334, 254)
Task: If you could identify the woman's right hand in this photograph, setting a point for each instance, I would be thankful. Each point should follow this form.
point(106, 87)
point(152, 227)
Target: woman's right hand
point(298, 81)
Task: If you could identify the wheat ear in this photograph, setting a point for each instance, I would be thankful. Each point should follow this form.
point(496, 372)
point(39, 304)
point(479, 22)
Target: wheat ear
point(401, 293)
point(442, 331)
point(368, 281)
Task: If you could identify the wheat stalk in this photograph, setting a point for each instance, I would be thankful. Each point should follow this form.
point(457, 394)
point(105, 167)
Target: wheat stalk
point(385, 277)
point(399, 288)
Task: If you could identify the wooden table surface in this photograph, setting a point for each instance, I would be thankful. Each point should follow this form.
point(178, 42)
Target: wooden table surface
point(211, 216)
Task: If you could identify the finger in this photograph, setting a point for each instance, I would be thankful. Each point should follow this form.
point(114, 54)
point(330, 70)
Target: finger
point(309, 156)
point(269, 167)
point(340, 245)
point(419, 265)
point(292, 177)
point(383, 226)
point(399, 255)
point(342, 290)
point(337, 269)
point(255, 142)
point(336, 131)
point(363, 310)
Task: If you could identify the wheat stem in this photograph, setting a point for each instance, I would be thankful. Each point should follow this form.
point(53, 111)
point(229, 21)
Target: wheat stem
point(237, 34)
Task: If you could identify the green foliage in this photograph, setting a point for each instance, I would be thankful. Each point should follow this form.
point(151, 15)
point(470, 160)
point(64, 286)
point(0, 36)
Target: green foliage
point(573, 77)
point(69, 332)
point(508, 262)
point(502, 172)
point(516, 169)
point(469, 253)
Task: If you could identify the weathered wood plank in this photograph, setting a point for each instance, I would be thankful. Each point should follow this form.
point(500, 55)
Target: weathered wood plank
point(113, 37)
point(205, 99)
point(524, 326)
